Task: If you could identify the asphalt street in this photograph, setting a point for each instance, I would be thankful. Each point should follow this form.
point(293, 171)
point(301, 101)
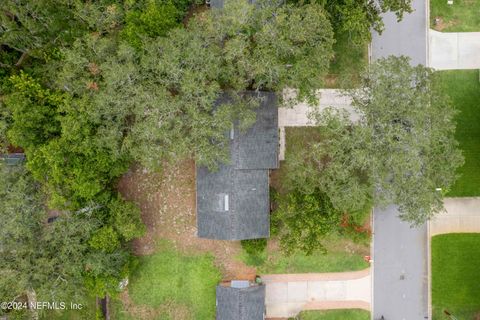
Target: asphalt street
point(408, 37)
point(400, 266)
point(400, 284)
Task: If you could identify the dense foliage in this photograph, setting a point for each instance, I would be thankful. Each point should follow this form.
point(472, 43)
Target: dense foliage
point(52, 261)
point(303, 220)
point(401, 151)
point(358, 17)
point(87, 88)
point(254, 246)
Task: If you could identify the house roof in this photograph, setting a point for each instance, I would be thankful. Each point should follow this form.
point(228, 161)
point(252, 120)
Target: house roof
point(12, 159)
point(233, 202)
point(241, 303)
point(221, 3)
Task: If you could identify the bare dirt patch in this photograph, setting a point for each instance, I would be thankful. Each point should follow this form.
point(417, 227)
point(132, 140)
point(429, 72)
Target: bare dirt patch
point(439, 24)
point(167, 201)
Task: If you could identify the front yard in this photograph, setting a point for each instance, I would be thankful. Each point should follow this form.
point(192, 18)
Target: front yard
point(353, 314)
point(461, 16)
point(463, 87)
point(344, 253)
point(349, 61)
point(455, 275)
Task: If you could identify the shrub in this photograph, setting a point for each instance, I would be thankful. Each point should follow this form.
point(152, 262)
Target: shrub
point(126, 218)
point(254, 246)
point(152, 19)
point(105, 239)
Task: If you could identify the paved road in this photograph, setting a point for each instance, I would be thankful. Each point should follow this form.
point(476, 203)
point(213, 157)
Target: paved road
point(408, 38)
point(400, 268)
point(288, 294)
point(454, 50)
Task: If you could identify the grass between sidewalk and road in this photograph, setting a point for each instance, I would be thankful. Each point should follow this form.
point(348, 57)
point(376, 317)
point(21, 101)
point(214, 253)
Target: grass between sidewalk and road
point(170, 285)
point(343, 253)
point(455, 274)
point(347, 64)
point(353, 314)
point(463, 87)
point(461, 16)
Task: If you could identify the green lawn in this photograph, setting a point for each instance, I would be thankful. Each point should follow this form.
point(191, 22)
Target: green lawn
point(173, 285)
point(462, 16)
point(87, 312)
point(464, 89)
point(342, 255)
point(347, 64)
point(456, 275)
point(353, 314)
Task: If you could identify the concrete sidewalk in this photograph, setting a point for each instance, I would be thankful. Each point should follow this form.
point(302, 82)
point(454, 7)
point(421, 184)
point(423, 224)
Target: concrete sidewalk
point(454, 50)
point(288, 294)
point(462, 215)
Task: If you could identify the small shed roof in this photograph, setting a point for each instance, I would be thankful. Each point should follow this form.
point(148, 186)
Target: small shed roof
point(241, 303)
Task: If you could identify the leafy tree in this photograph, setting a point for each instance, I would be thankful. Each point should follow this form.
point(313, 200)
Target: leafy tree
point(303, 220)
point(38, 27)
point(400, 152)
point(36, 257)
point(152, 18)
point(254, 246)
point(125, 217)
point(56, 260)
point(34, 112)
point(105, 239)
point(358, 17)
point(239, 48)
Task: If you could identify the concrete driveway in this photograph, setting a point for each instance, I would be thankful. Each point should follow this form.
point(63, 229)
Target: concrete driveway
point(407, 37)
point(454, 50)
point(400, 268)
point(462, 215)
point(288, 294)
point(298, 115)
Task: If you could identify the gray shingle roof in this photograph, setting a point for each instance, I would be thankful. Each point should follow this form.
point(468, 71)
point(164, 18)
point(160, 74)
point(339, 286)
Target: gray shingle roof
point(257, 148)
point(241, 304)
point(233, 202)
point(220, 3)
point(12, 159)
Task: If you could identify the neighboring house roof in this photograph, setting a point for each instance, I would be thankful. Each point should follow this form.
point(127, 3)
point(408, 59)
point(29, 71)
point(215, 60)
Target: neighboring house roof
point(220, 3)
point(12, 159)
point(233, 202)
point(241, 303)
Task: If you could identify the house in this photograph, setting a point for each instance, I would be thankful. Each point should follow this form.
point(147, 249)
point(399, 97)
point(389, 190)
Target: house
point(240, 300)
point(233, 202)
point(12, 159)
point(220, 3)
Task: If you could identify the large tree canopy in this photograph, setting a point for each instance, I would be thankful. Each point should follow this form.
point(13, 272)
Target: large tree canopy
point(55, 260)
point(159, 103)
point(402, 150)
point(358, 17)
